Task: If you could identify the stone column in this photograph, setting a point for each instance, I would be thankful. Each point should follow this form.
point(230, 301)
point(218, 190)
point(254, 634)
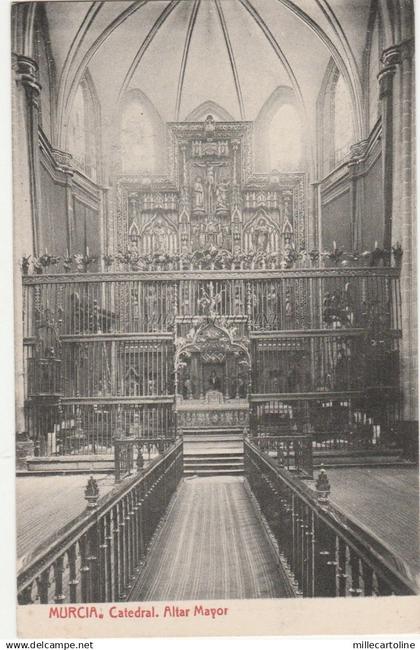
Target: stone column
point(390, 59)
point(64, 162)
point(226, 378)
point(357, 201)
point(315, 237)
point(26, 77)
point(407, 216)
point(26, 193)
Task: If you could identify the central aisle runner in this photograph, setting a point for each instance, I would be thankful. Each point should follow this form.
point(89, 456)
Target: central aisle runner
point(211, 546)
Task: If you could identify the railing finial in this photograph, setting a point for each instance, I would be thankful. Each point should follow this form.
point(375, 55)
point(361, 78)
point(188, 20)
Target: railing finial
point(322, 486)
point(92, 493)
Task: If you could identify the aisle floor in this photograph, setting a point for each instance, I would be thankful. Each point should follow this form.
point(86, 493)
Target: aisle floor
point(211, 546)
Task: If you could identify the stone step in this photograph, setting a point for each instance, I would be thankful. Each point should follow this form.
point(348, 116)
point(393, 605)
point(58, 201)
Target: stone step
point(214, 460)
point(213, 471)
point(360, 461)
point(229, 453)
point(197, 453)
point(70, 464)
point(213, 431)
point(213, 451)
point(212, 439)
point(215, 444)
point(378, 451)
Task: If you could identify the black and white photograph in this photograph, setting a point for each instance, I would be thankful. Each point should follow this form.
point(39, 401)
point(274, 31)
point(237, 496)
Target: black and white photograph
point(215, 308)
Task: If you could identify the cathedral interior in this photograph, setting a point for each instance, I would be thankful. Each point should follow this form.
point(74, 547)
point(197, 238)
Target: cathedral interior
point(215, 252)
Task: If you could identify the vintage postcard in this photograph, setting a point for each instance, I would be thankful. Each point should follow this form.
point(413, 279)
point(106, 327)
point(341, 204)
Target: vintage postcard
point(215, 317)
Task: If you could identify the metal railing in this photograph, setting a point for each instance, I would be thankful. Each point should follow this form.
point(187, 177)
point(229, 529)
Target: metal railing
point(293, 452)
point(326, 553)
point(83, 426)
point(314, 333)
point(365, 437)
point(148, 302)
point(96, 558)
point(130, 453)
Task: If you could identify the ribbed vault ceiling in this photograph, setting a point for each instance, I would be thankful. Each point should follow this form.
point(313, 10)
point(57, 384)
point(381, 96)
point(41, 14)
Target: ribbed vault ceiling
point(181, 53)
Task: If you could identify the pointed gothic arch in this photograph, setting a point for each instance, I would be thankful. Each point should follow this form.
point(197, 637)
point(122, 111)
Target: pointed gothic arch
point(281, 99)
point(158, 235)
point(83, 139)
point(140, 138)
point(334, 116)
point(261, 233)
point(43, 55)
point(209, 107)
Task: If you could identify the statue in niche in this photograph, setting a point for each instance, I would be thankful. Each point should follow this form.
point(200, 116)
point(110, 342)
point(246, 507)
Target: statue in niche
point(238, 303)
point(261, 235)
point(241, 389)
point(204, 302)
point(209, 126)
point(209, 301)
point(214, 381)
point(213, 232)
point(210, 186)
point(151, 302)
point(184, 242)
point(132, 203)
point(288, 307)
point(202, 236)
point(219, 237)
point(198, 195)
point(160, 237)
point(187, 389)
point(211, 183)
point(222, 197)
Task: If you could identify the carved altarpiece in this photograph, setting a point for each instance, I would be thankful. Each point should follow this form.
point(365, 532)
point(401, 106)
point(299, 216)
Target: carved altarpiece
point(210, 197)
point(211, 200)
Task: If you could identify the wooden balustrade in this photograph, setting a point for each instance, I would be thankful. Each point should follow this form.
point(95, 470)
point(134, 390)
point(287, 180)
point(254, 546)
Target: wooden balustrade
point(96, 558)
point(327, 553)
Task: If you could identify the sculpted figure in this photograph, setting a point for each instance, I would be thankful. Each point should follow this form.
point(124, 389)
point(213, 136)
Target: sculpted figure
point(261, 235)
point(160, 238)
point(198, 194)
point(222, 196)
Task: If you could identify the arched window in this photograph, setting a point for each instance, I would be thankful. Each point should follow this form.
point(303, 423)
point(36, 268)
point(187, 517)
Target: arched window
point(373, 70)
point(335, 120)
point(140, 135)
point(82, 134)
point(343, 131)
point(285, 139)
point(218, 113)
point(278, 133)
point(46, 66)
